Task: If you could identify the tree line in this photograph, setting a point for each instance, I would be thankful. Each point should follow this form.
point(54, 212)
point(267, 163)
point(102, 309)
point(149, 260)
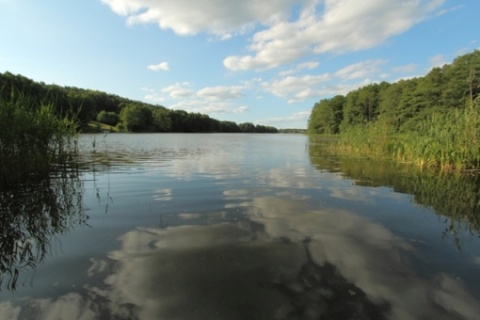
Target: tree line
point(403, 106)
point(87, 106)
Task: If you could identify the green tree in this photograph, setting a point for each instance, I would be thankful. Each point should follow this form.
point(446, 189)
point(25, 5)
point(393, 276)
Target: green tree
point(229, 126)
point(136, 118)
point(161, 120)
point(108, 117)
point(179, 120)
point(463, 80)
point(247, 127)
point(352, 112)
point(389, 105)
point(326, 116)
point(321, 117)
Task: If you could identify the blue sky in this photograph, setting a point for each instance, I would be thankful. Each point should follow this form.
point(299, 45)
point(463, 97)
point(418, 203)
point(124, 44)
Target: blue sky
point(266, 62)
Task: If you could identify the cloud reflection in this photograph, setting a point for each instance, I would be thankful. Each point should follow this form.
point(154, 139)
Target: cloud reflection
point(200, 272)
point(368, 255)
point(290, 261)
point(162, 194)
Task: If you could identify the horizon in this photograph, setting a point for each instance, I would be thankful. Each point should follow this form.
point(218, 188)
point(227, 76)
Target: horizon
point(240, 61)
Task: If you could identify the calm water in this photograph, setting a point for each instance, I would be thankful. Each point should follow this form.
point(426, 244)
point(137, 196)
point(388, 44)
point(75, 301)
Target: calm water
point(232, 226)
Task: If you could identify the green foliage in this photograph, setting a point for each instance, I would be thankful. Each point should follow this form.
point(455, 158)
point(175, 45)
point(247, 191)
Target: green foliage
point(136, 117)
point(403, 105)
point(327, 116)
point(265, 129)
point(126, 115)
point(31, 136)
point(229, 126)
point(39, 181)
point(161, 121)
point(108, 117)
point(293, 130)
point(247, 127)
point(433, 120)
point(447, 141)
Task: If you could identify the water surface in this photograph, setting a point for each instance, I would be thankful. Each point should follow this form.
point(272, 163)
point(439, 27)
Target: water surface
point(247, 226)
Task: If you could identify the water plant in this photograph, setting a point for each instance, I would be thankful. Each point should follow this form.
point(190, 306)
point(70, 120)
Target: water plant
point(443, 140)
point(39, 182)
point(32, 137)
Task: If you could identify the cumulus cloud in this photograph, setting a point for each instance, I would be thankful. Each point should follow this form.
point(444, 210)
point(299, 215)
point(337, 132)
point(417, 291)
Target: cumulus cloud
point(282, 36)
point(154, 97)
point(209, 100)
point(302, 66)
point(292, 120)
point(300, 88)
point(179, 90)
point(360, 70)
point(285, 86)
point(190, 17)
point(437, 61)
point(221, 92)
point(337, 26)
point(241, 109)
point(202, 106)
point(163, 66)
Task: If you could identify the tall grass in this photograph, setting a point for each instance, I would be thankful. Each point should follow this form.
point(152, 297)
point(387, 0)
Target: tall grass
point(32, 136)
point(39, 184)
point(444, 141)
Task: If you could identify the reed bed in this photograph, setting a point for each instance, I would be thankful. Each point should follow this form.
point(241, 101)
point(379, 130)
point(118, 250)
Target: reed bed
point(445, 141)
point(32, 136)
point(39, 188)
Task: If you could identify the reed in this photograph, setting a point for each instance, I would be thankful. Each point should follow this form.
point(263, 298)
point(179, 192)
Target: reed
point(39, 182)
point(32, 137)
point(445, 141)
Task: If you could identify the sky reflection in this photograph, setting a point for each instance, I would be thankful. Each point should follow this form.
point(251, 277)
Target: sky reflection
point(290, 261)
point(219, 234)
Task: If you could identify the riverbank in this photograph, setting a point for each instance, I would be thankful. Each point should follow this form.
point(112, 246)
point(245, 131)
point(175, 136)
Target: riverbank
point(444, 142)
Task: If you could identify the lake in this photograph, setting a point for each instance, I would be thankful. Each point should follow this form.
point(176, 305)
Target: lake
point(238, 226)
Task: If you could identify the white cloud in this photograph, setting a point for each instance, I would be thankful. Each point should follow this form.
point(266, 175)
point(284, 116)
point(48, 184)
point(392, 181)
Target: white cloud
point(320, 27)
point(203, 106)
point(297, 89)
point(163, 66)
point(288, 85)
point(209, 100)
point(437, 61)
point(190, 17)
point(154, 97)
point(221, 92)
point(295, 120)
point(360, 70)
point(340, 88)
point(179, 90)
point(451, 9)
point(302, 66)
point(241, 109)
point(342, 26)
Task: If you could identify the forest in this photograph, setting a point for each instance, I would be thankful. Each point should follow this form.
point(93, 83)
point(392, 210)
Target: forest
point(432, 120)
point(95, 110)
